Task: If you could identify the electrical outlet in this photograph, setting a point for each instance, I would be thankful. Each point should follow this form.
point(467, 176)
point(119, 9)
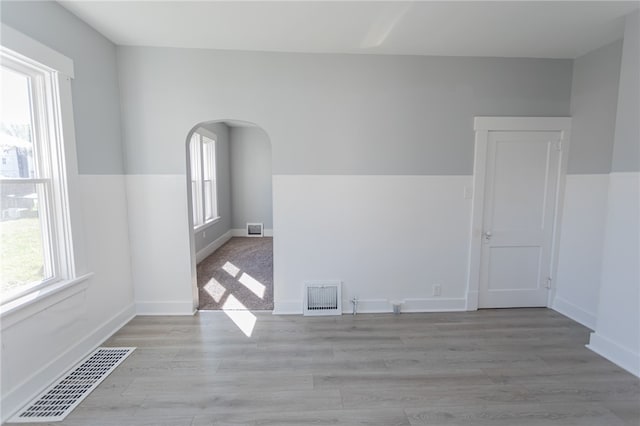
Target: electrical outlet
point(468, 192)
point(437, 290)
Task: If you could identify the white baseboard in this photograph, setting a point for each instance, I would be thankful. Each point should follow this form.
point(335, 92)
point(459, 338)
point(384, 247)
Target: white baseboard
point(435, 304)
point(572, 311)
point(288, 307)
point(471, 303)
point(243, 232)
point(165, 308)
point(378, 306)
point(367, 306)
point(213, 246)
point(45, 376)
point(619, 355)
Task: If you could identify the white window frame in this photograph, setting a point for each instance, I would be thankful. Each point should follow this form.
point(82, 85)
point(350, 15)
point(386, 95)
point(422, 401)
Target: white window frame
point(53, 117)
point(199, 164)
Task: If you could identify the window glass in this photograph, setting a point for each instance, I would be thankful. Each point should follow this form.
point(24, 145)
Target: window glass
point(202, 150)
point(26, 233)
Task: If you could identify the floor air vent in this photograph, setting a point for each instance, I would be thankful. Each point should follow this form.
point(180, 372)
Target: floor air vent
point(63, 396)
point(322, 298)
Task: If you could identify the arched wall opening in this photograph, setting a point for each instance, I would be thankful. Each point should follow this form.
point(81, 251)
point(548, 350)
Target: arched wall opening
point(243, 194)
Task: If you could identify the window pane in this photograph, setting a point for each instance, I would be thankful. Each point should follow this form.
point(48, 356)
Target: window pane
point(208, 211)
point(194, 201)
point(214, 200)
point(21, 237)
point(16, 129)
point(209, 159)
point(209, 173)
point(194, 150)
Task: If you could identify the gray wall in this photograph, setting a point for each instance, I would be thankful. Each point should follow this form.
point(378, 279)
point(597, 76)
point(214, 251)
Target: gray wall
point(388, 114)
point(250, 177)
point(206, 236)
point(626, 151)
point(594, 98)
point(96, 103)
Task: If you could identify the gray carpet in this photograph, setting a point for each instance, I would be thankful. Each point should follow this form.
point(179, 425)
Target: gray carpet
point(243, 269)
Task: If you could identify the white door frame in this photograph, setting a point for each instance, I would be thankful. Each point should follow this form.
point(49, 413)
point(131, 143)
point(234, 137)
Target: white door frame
point(482, 126)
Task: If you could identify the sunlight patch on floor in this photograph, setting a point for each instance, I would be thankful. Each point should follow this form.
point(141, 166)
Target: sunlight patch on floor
point(215, 289)
point(239, 314)
point(231, 269)
point(252, 284)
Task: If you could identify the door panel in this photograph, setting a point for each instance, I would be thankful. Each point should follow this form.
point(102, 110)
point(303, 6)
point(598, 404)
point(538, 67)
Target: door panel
point(522, 171)
point(519, 184)
point(514, 268)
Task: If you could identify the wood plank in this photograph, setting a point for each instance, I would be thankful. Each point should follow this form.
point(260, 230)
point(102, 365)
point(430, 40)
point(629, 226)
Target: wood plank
point(490, 367)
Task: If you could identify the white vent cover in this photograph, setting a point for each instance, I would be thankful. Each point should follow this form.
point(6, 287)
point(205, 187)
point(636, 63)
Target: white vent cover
point(254, 230)
point(62, 397)
point(322, 298)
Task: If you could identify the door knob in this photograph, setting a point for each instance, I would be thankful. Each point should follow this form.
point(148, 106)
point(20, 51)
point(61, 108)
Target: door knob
point(487, 235)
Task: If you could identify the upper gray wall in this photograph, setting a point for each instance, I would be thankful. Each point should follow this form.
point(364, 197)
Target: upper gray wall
point(594, 97)
point(96, 102)
point(626, 151)
point(206, 236)
point(250, 177)
point(331, 114)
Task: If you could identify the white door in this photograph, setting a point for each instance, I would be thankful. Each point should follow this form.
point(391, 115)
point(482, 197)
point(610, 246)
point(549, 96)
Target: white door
point(520, 191)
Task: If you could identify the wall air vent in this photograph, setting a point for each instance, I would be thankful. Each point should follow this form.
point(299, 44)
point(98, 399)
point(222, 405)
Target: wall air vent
point(322, 298)
point(255, 230)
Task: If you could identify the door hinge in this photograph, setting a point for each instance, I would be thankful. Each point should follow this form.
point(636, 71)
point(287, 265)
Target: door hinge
point(548, 286)
point(558, 145)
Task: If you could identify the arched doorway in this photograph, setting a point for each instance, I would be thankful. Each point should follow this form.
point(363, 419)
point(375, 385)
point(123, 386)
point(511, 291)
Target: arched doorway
point(230, 215)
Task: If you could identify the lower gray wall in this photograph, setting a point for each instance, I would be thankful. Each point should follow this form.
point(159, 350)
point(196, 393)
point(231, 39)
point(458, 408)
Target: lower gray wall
point(251, 199)
point(206, 236)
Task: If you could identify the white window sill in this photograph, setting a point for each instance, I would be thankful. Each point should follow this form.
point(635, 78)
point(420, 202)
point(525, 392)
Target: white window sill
point(30, 304)
point(207, 224)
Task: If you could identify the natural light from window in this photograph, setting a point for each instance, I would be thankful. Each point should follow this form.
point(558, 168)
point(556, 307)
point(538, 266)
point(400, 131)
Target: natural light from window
point(35, 241)
point(215, 289)
point(231, 269)
point(202, 159)
point(252, 284)
point(240, 315)
point(23, 229)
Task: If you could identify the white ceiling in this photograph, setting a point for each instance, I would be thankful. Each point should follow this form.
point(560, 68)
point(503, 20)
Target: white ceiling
point(477, 28)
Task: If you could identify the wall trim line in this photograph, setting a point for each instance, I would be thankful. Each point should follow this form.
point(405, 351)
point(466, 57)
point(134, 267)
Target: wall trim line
point(574, 312)
point(213, 246)
point(381, 306)
point(173, 308)
point(625, 174)
point(619, 355)
point(242, 232)
point(522, 123)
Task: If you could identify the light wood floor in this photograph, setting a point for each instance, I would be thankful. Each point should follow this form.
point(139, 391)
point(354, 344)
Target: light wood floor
point(492, 367)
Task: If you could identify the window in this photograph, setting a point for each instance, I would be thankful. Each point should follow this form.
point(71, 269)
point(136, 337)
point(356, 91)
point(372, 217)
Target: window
point(34, 238)
point(203, 179)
